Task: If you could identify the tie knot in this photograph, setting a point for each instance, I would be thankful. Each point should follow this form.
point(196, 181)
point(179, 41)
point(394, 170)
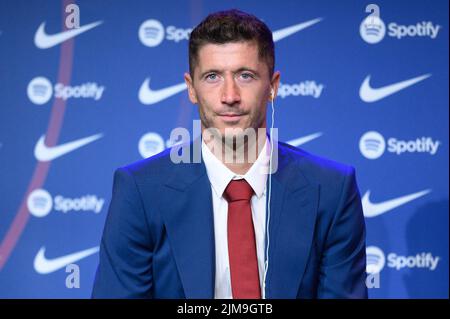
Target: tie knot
point(238, 190)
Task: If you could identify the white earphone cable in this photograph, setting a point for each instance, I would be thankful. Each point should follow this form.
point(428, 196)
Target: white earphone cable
point(266, 262)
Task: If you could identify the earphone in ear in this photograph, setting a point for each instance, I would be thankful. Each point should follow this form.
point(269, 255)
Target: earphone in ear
point(272, 93)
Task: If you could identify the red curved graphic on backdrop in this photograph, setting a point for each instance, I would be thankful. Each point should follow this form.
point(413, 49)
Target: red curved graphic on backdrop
point(51, 138)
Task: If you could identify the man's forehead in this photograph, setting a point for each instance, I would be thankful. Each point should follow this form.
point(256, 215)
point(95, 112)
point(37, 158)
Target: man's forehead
point(230, 45)
point(231, 54)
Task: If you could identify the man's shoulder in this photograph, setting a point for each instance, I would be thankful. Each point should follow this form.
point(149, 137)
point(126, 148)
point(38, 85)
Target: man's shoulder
point(166, 164)
point(312, 166)
point(156, 165)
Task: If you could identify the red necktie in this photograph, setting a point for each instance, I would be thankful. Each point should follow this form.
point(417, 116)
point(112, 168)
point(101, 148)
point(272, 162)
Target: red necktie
point(241, 241)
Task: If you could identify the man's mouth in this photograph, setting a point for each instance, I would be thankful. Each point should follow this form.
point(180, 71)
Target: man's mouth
point(231, 117)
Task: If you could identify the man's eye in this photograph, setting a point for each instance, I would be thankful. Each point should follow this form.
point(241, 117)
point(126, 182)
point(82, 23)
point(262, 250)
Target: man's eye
point(247, 76)
point(211, 77)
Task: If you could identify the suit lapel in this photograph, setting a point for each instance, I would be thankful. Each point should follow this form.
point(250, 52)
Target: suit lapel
point(186, 203)
point(294, 204)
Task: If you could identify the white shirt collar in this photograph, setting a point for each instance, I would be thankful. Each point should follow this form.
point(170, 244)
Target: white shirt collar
point(220, 175)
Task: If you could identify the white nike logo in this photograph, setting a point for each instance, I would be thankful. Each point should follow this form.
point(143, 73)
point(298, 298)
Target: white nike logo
point(375, 209)
point(305, 139)
point(148, 96)
point(45, 41)
point(44, 266)
point(285, 32)
point(369, 94)
point(46, 153)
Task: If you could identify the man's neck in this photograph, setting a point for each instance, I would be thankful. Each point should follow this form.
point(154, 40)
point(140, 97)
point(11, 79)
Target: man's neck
point(231, 155)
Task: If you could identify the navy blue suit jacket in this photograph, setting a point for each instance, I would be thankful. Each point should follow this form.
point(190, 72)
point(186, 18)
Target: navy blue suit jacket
point(158, 240)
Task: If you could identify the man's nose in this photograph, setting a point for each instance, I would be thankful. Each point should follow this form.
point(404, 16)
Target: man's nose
point(230, 92)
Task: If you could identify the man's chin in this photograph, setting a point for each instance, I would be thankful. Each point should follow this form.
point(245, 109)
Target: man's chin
point(232, 132)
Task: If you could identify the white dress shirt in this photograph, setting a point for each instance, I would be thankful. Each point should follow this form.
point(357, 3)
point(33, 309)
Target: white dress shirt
point(219, 176)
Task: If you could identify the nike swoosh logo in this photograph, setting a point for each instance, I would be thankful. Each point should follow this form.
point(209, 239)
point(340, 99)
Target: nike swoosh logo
point(375, 209)
point(305, 139)
point(369, 94)
point(46, 153)
point(148, 96)
point(45, 41)
point(285, 32)
point(45, 266)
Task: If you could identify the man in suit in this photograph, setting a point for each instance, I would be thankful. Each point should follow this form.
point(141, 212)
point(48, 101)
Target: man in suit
point(233, 229)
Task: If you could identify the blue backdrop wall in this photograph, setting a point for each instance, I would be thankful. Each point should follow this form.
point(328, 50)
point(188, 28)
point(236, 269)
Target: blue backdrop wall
point(369, 89)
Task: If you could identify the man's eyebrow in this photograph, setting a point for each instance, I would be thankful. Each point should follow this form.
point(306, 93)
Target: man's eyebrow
point(242, 69)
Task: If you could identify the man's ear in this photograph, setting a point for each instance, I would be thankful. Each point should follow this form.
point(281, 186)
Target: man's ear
point(275, 83)
point(190, 87)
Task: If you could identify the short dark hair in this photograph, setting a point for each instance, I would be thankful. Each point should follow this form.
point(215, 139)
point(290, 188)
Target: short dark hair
point(232, 26)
